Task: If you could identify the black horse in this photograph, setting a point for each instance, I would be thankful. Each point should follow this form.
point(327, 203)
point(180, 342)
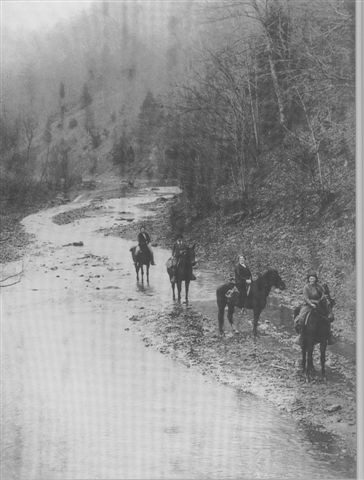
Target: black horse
point(316, 329)
point(143, 257)
point(256, 300)
point(182, 272)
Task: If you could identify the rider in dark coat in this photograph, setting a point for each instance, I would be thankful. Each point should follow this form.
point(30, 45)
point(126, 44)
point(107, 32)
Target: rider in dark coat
point(179, 248)
point(243, 277)
point(144, 241)
point(313, 294)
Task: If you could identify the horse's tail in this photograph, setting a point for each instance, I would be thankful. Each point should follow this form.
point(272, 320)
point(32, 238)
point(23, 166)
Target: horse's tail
point(132, 251)
point(221, 303)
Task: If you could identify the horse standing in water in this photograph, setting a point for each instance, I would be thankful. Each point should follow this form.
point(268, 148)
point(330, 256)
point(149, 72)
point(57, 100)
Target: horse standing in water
point(316, 329)
point(256, 300)
point(182, 272)
point(143, 257)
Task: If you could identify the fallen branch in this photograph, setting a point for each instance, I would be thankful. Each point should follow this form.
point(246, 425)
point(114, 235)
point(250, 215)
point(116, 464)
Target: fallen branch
point(10, 284)
point(301, 407)
point(13, 275)
point(279, 367)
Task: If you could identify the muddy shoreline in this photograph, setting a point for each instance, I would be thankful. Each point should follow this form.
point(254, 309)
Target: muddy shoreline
point(267, 368)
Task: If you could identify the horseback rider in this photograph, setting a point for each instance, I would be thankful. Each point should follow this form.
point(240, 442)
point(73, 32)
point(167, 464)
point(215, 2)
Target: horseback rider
point(144, 241)
point(243, 279)
point(313, 295)
point(179, 249)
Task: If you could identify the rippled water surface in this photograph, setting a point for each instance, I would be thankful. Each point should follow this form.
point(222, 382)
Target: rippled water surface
point(83, 398)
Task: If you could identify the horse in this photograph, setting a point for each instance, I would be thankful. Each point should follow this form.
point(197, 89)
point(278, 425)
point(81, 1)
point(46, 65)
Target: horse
point(182, 272)
point(316, 330)
point(143, 257)
point(256, 299)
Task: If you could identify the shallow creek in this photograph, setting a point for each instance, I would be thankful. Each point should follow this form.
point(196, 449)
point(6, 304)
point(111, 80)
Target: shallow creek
point(83, 398)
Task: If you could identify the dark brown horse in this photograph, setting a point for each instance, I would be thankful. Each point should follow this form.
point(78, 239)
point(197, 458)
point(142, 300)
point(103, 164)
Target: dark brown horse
point(256, 300)
point(143, 257)
point(316, 330)
point(182, 272)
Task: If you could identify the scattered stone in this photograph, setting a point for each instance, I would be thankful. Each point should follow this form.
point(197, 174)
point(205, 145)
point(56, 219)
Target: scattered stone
point(332, 408)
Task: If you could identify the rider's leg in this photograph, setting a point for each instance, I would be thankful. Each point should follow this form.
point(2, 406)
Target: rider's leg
point(243, 294)
point(298, 322)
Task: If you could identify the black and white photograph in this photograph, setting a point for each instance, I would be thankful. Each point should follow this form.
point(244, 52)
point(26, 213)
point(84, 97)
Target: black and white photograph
point(181, 239)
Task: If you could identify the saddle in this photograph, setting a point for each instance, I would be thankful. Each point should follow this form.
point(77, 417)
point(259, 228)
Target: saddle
point(235, 291)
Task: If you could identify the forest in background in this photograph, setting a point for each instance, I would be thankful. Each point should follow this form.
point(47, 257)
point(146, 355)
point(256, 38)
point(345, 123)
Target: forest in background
point(248, 104)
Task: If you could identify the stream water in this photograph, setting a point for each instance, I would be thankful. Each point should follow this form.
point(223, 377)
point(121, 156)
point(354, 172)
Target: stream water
point(83, 398)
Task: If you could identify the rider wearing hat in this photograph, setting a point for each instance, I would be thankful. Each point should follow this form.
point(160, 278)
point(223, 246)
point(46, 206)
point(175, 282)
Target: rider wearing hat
point(243, 279)
point(179, 248)
point(144, 241)
point(313, 294)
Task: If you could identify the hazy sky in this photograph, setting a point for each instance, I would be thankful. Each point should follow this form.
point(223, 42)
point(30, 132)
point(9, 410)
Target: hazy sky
point(38, 14)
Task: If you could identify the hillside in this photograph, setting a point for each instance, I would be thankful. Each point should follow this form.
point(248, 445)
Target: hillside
point(251, 111)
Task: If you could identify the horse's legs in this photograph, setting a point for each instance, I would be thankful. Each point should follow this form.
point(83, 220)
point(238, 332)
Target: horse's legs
point(179, 287)
point(187, 284)
point(256, 315)
point(137, 272)
point(173, 287)
point(309, 369)
point(230, 314)
point(323, 358)
point(220, 318)
point(303, 350)
point(142, 270)
point(147, 268)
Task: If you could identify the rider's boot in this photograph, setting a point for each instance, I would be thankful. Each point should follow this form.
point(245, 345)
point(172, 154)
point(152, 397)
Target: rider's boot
point(192, 276)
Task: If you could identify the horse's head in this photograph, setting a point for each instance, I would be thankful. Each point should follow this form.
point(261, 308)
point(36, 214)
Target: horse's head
point(275, 280)
point(327, 304)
